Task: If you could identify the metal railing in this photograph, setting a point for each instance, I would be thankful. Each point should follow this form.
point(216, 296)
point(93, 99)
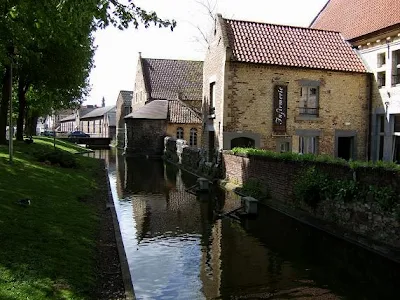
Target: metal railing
point(309, 111)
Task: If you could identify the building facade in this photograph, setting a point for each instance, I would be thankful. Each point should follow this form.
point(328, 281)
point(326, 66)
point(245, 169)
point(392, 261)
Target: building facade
point(166, 100)
point(124, 108)
point(378, 43)
point(101, 122)
point(282, 88)
point(147, 126)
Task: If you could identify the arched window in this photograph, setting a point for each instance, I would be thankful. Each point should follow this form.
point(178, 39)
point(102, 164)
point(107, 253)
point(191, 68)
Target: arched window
point(193, 137)
point(179, 133)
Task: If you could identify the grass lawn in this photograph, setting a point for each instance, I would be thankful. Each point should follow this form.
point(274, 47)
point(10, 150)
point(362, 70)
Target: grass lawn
point(47, 248)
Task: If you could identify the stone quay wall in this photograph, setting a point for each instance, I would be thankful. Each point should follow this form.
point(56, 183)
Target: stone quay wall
point(362, 216)
point(191, 159)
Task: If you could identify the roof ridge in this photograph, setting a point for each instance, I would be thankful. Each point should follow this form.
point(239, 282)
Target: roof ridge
point(187, 106)
point(177, 59)
point(282, 25)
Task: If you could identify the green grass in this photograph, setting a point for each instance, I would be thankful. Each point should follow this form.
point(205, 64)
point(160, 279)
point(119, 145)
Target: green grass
point(47, 249)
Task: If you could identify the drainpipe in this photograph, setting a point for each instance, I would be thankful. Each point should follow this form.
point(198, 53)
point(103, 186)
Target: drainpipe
point(369, 101)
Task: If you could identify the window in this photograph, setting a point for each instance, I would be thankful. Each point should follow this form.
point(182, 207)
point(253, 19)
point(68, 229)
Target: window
point(100, 126)
point(396, 67)
point(212, 98)
point(309, 100)
point(126, 111)
point(193, 137)
point(136, 97)
point(381, 76)
point(381, 59)
point(381, 135)
point(94, 126)
point(179, 133)
point(284, 147)
point(308, 144)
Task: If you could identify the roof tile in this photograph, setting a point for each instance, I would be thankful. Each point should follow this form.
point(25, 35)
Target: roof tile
point(291, 46)
point(173, 79)
point(181, 113)
point(355, 18)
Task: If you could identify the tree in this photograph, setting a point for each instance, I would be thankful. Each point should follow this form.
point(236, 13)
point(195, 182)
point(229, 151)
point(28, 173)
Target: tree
point(205, 33)
point(33, 27)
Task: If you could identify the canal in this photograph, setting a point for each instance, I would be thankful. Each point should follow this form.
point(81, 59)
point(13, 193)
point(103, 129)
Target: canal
point(178, 249)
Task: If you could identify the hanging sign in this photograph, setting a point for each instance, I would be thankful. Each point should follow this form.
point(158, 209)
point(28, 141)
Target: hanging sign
point(279, 109)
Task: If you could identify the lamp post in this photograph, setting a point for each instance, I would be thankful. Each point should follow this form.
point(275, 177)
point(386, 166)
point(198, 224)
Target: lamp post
point(10, 126)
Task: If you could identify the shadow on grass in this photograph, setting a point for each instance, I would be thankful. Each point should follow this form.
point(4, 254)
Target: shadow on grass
point(46, 248)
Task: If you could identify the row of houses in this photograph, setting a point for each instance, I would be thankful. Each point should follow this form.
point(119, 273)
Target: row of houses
point(332, 88)
point(96, 121)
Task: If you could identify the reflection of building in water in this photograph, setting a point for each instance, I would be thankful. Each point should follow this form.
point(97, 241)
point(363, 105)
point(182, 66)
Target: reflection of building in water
point(259, 268)
point(120, 174)
point(144, 176)
point(109, 157)
point(210, 269)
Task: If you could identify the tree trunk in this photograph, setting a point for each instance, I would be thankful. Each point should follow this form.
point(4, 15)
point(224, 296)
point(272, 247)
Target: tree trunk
point(21, 109)
point(31, 123)
point(5, 99)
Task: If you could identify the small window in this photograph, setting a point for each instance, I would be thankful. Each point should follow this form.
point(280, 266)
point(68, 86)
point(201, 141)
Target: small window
point(179, 133)
point(284, 147)
point(396, 67)
point(309, 99)
point(308, 145)
point(193, 137)
point(212, 98)
point(381, 59)
point(94, 126)
point(381, 77)
point(100, 126)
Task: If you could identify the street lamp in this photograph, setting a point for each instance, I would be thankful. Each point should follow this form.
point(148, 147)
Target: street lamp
point(10, 126)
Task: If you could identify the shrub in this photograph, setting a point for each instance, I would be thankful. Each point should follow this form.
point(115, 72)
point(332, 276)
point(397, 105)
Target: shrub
point(255, 188)
point(310, 187)
point(56, 157)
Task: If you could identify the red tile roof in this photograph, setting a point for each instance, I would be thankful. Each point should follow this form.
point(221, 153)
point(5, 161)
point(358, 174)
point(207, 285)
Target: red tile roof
point(354, 18)
point(179, 112)
point(291, 46)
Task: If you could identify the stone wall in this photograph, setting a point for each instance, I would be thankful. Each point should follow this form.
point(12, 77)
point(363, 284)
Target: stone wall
point(145, 137)
point(363, 217)
point(191, 159)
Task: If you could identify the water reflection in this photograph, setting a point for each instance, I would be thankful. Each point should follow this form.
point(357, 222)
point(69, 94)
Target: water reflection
point(178, 249)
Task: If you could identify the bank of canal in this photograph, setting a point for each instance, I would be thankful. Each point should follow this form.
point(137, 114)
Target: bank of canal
point(177, 249)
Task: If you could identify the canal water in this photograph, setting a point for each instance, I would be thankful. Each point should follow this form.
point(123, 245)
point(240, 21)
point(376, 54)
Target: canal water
point(178, 249)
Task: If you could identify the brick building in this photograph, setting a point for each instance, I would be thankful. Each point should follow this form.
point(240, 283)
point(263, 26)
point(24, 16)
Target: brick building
point(124, 108)
point(378, 42)
point(166, 101)
point(147, 126)
point(284, 88)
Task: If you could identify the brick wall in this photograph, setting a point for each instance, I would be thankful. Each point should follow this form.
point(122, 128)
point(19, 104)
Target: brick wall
point(343, 102)
point(172, 127)
point(363, 217)
point(244, 101)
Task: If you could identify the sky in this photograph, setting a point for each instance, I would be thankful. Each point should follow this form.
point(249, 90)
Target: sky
point(117, 51)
